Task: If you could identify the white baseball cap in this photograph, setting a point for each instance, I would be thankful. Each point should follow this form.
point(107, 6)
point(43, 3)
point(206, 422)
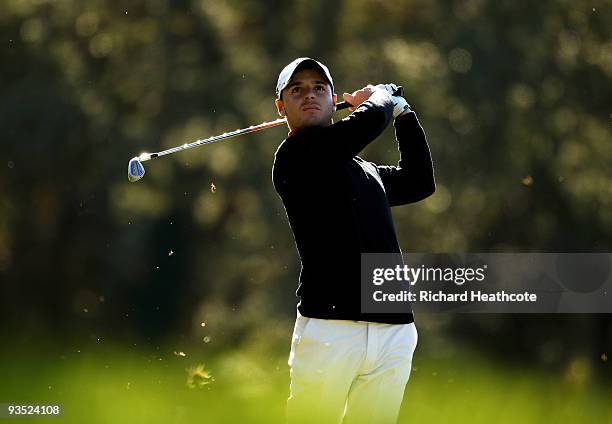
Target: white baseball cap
point(297, 65)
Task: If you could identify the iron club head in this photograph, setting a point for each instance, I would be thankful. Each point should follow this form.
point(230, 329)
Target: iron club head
point(135, 169)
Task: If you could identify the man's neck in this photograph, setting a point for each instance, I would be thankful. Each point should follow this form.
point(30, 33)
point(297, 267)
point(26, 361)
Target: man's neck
point(292, 131)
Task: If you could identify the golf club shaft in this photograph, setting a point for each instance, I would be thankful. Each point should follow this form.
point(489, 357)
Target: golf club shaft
point(148, 156)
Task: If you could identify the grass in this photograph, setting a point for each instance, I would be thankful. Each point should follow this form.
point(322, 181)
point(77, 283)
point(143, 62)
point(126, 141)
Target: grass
point(112, 384)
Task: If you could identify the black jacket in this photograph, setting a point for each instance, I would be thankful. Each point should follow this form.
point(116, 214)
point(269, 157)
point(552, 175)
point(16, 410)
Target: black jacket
point(338, 204)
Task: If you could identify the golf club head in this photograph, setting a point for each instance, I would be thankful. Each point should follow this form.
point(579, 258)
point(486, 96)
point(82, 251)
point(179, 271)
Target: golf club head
point(135, 170)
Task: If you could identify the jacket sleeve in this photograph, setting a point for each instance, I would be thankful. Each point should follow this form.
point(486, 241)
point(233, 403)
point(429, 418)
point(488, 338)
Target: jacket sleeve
point(343, 140)
point(413, 178)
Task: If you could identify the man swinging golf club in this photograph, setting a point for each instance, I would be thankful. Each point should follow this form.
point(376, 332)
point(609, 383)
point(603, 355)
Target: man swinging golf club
point(345, 364)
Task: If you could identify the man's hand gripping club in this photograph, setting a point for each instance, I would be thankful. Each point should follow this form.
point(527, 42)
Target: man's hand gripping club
point(400, 105)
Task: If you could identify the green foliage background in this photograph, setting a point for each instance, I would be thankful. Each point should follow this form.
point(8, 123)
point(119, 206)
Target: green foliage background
point(515, 98)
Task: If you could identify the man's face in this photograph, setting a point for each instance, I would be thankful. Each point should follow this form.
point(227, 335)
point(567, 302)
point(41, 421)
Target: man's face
point(307, 100)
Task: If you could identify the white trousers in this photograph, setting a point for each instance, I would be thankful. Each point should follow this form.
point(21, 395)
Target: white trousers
point(348, 371)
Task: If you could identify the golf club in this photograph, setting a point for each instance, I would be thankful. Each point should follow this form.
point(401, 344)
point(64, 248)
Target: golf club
point(136, 170)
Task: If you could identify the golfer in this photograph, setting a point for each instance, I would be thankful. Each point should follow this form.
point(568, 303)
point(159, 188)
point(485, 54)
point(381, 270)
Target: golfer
point(345, 365)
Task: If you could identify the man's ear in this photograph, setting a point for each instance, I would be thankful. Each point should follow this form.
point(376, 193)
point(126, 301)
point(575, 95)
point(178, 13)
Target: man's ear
point(335, 99)
point(280, 107)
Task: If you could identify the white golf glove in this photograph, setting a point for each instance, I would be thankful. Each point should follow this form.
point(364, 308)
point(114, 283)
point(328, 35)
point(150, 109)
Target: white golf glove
point(400, 104)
